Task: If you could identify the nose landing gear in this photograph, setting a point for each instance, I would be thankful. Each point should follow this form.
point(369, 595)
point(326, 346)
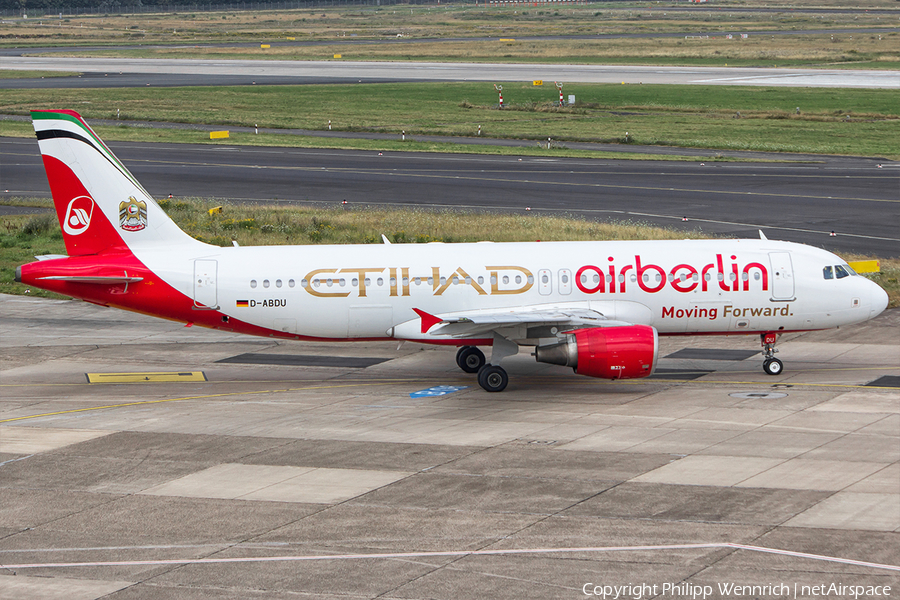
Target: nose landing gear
point(771, 365)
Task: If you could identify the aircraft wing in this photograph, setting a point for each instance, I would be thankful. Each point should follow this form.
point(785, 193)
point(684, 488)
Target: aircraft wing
point(478, 322)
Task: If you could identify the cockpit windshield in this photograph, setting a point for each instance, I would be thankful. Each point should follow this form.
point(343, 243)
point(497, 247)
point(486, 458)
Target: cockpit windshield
point(837, 271)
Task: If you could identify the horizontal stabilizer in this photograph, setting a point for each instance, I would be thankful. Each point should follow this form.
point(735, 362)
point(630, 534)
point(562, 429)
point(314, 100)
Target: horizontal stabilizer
point(50, 256)
point(94, 279)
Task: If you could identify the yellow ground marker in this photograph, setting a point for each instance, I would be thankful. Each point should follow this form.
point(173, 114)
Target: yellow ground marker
point(537, 82)
point(265, 46)
point(216, 135)
point(337, 56)
point(146, 377)
point(507, 39)
point(865, 266)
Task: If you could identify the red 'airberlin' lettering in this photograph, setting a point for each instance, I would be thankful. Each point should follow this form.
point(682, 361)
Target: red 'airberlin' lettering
point(683, 277)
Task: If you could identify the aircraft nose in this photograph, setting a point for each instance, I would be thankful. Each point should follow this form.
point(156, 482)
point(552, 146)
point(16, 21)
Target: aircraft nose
point(879, 300)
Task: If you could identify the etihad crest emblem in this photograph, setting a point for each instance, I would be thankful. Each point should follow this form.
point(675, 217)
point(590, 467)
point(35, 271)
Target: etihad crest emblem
point(132, 214)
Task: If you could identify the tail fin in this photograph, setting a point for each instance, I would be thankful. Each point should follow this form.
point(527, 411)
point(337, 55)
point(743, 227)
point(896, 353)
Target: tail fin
point(100, 205)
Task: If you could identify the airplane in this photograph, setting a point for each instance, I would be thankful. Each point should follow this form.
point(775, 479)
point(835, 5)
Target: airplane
point(597, 306)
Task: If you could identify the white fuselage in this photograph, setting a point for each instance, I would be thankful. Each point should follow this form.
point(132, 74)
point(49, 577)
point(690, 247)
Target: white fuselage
point(370, 291)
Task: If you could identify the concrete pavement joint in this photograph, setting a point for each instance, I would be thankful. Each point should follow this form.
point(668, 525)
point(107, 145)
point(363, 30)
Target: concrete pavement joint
point(458, 553)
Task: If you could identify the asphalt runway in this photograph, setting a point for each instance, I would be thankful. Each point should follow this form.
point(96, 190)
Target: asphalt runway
point(246, 478)
point(802, 202)
point(156, 71)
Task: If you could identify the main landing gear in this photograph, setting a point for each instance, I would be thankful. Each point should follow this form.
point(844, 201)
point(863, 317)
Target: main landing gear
point(771, 365)
point(491, 377)
point(470, 359)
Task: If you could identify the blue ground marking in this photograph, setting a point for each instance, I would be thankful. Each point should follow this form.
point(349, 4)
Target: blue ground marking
point(439, 390)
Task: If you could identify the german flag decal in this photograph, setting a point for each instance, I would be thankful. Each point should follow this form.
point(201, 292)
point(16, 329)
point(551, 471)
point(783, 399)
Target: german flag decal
point(243, 303)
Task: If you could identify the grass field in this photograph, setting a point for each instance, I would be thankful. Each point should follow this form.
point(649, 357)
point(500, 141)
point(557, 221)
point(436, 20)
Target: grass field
point(538, 148)
point(871, 51)
point(23, 237)
point(5, 74)
point(448, 20)
point(343, 28)
point(831, 121)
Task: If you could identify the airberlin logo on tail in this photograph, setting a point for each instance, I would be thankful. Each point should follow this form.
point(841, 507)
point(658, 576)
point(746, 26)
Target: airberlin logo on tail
point(78, 215)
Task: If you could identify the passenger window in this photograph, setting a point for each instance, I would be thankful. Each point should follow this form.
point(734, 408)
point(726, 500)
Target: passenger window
point(827, 273)
point(840, 272)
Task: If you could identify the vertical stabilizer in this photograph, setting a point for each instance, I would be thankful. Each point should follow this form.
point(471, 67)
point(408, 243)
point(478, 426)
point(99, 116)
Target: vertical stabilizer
point(100, 205)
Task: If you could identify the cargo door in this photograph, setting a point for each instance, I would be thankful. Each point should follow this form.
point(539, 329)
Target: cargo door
point(370, 321)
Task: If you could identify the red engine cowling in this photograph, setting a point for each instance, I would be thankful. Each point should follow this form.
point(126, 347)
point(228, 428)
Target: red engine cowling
point(606, 352)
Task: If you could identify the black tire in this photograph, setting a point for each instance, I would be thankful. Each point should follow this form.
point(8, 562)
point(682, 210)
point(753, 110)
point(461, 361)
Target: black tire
point(493, 378)
point(470, 359)
point(773, 366)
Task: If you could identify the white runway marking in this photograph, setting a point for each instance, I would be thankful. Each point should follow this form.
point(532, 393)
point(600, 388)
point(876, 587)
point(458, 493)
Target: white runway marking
point(395, 555)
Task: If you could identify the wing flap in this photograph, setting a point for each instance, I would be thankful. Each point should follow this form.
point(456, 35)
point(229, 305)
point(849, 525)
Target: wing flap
point(473, 323)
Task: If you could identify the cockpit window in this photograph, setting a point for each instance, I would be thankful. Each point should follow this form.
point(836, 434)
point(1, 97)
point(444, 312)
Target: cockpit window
point(840, 271)
point(849, 269)
point(828, 273)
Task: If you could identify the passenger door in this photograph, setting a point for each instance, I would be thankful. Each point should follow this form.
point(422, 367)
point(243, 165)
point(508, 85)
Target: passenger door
point(782, 276)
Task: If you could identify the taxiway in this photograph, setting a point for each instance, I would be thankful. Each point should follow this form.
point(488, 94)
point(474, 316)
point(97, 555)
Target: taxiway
point(293, 471)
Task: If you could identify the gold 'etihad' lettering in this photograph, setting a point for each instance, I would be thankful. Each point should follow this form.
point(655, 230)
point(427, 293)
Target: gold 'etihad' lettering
point(361, 275)
point(457, 274)
point(495, 280)
point(314, 292)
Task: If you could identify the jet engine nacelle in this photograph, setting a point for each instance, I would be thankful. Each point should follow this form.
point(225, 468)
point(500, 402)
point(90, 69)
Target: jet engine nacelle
point(606, 352)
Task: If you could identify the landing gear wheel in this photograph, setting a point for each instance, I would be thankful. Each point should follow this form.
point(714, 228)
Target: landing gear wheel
point(470, 359)
point(492, 378)
point(773, 366)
